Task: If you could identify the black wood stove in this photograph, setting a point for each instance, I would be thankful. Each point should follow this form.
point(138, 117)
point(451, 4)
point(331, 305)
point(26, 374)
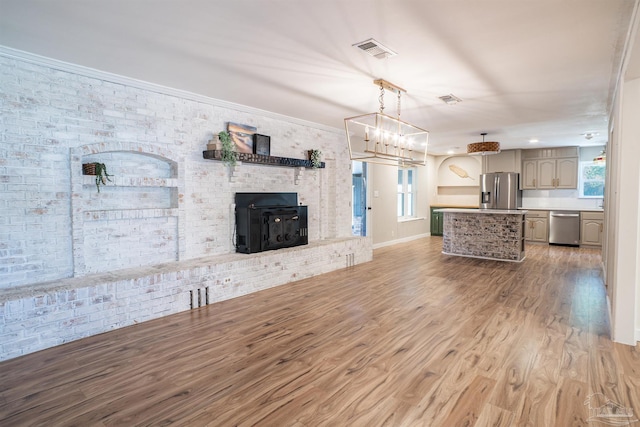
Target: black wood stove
point(267, 221)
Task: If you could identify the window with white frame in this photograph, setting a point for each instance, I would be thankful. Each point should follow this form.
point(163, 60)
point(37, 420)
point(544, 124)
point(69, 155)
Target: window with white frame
point(591, 179)
point(406, 192)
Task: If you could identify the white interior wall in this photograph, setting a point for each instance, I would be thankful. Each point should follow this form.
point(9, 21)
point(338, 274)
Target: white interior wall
point(623, 215)
point(611, 229)
point(637, 265)
point(386, 229)
point(621, 250)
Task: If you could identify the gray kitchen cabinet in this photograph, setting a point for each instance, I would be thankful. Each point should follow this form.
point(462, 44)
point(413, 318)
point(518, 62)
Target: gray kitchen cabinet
point(549, 172)
point(557, 173)
point(529, 174)
point(567, 173)
point(537, 226)
point(504, 161)
point(591, 228)
point(546, 174)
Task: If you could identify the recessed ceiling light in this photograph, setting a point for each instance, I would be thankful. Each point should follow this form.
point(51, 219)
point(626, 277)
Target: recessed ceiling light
point(533, 141)
point(589, 135)
point(450, 152)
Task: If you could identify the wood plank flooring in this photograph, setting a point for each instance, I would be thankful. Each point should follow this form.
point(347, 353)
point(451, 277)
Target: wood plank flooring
point(415, 338)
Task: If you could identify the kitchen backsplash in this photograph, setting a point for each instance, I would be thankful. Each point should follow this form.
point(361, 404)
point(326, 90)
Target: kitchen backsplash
point(566, 199)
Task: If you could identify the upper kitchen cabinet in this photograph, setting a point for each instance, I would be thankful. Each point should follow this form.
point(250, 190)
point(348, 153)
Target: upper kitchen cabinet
point(504, 161)
point(550, 169)
point(529, 177)
point(557, 173)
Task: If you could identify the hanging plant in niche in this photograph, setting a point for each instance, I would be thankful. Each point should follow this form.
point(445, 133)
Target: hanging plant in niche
point(100, 172)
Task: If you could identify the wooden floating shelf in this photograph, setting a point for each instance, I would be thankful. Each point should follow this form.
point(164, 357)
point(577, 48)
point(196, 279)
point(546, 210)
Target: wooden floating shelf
point(261, 159)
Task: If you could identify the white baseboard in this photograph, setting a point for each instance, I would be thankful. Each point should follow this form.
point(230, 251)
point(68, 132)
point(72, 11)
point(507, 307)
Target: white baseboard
point(638, 335)
point(403, 240)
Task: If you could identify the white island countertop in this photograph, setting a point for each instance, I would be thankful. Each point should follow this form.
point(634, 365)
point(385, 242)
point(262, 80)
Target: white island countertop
point(484, 211)
point(565, 209)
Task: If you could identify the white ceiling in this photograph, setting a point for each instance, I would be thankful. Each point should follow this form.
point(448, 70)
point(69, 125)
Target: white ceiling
point(543, 69)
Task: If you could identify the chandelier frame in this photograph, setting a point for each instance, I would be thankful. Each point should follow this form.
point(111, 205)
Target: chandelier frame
point(384, 139)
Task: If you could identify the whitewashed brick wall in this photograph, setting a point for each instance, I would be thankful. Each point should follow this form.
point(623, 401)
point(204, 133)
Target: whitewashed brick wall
point(137, 218)
point(165, 204)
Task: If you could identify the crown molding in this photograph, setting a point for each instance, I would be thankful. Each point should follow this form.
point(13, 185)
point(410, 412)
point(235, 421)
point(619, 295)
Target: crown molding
point(152, 87)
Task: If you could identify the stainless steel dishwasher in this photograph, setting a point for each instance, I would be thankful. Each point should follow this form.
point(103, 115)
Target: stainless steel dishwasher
point(564, 228)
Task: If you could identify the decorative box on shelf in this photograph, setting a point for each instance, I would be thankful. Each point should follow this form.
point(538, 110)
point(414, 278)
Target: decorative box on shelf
point(262, 159)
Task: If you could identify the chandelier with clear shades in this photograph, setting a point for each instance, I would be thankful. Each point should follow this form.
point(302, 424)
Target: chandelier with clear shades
point(381, 138)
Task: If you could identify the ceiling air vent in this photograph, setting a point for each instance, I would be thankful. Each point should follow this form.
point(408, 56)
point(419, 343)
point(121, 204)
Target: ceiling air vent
point(375, 49)
point(450, 99)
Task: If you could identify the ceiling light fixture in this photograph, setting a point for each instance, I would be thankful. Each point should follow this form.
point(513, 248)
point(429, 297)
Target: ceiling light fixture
point(380, 138)
point(483, 148)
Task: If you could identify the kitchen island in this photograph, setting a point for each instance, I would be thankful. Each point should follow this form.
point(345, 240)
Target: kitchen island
point(484, 233)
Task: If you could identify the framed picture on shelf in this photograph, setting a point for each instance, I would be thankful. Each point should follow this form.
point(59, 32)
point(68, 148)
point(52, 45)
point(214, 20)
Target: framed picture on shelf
point(242, 137)
point(261, 144)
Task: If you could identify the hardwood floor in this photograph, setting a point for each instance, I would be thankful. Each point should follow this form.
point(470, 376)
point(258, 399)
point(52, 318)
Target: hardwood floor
point(415, 338)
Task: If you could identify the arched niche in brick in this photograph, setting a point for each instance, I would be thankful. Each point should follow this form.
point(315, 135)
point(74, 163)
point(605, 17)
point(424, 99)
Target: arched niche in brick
point(137, 218)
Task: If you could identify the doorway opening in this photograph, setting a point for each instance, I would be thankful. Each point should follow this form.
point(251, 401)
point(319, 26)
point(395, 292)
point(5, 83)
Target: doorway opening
point(359, 198)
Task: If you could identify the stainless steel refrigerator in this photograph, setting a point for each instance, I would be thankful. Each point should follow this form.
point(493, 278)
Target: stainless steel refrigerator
point(500, 190)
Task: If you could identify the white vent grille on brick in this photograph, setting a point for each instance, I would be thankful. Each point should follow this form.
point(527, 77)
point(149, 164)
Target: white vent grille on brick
point(375, 49)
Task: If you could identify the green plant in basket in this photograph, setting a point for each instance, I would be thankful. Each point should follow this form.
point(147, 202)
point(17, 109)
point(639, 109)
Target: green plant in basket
point(315, 158)
point(102, 176)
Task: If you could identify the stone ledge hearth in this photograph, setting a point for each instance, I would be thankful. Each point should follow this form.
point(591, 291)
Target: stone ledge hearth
point(44, 315)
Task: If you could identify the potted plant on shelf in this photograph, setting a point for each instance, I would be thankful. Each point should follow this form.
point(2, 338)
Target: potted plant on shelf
point(314, 157)
point(228, 151)
point(100, 172)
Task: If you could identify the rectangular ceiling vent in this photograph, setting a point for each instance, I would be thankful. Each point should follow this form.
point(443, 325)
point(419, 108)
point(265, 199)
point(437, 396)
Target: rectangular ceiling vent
point(375, 49)
point(450, 99)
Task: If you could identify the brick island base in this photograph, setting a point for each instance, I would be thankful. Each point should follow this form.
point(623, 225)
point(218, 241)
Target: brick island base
point(490, 234)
